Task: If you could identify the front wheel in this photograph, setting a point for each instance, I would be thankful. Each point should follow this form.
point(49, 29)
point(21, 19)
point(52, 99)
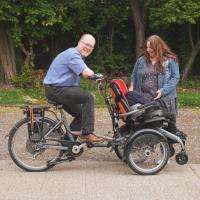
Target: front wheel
point(28, 153)
point(147, 154)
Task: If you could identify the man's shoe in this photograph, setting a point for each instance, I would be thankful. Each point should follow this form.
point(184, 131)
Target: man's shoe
point(90, 138)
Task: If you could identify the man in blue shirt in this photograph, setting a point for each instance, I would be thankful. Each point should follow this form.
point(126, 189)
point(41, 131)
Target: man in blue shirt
point(62, 83)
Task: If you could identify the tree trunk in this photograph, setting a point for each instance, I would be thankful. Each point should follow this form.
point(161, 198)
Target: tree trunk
point(191, 59)
point(111, 36)
point(7, 57)
point(139, 15)
point(195, 50)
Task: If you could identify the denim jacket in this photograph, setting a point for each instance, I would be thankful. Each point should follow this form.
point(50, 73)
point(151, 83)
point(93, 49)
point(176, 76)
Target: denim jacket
point(167, 81)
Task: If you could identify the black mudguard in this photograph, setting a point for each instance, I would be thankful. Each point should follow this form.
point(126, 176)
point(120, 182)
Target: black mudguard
point(143, 132)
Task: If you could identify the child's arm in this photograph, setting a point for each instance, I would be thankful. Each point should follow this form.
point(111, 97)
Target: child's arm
point(131, 88)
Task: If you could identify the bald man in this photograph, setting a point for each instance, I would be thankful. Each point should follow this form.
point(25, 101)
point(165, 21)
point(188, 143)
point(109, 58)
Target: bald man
point(62, 86)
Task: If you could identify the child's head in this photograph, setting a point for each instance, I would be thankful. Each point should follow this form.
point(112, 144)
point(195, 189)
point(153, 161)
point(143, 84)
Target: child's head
point(127, 81)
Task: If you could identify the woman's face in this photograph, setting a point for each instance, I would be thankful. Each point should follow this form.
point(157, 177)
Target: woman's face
point(150, 51)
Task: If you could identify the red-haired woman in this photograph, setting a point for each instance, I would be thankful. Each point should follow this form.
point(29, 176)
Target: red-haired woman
point(156, 75)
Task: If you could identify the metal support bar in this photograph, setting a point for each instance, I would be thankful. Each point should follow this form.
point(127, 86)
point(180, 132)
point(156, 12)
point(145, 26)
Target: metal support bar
point(172, 137)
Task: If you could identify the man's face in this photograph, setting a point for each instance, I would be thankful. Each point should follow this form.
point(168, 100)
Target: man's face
point(86, 46)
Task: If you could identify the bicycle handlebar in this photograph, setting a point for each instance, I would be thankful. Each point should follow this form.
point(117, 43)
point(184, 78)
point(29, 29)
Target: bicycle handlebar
point(96, 77)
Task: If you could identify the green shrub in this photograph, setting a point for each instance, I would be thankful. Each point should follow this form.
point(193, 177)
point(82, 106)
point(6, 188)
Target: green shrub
point(27, 79)
point(88, 85)
point(190, 84)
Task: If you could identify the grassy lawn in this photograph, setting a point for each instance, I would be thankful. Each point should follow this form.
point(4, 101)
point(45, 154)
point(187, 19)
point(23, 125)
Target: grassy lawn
point(191, 99)
point(20, 96)
point(186, 96)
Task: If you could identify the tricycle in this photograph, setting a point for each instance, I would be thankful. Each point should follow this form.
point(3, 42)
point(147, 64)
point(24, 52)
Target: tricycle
point(43, 139)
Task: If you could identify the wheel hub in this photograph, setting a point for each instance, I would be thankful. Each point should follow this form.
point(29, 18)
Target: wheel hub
point(30, 147)
point(147, 152)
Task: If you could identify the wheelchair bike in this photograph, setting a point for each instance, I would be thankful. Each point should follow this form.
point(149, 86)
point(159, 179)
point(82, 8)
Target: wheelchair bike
point(39, 141)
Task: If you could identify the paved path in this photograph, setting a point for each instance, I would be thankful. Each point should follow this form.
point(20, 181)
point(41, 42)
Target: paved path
point(95, 180)
point(98, 174)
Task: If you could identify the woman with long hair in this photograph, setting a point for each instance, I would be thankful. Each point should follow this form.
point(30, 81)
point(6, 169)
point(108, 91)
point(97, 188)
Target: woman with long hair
point(156, 74)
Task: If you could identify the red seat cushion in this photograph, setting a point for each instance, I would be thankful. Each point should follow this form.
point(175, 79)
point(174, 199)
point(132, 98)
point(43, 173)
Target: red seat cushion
point(118, 90)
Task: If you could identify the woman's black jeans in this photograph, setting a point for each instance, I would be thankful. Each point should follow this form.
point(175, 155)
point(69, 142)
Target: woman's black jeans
point(78, 103)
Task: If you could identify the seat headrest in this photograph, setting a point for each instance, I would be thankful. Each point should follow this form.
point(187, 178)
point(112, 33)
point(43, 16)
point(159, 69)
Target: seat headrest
point(119, 89)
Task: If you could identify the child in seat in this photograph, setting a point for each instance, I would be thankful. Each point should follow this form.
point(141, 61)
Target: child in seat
point(147, 96)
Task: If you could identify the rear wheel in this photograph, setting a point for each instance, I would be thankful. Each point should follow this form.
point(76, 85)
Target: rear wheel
point(29, 154)
point(147, 154)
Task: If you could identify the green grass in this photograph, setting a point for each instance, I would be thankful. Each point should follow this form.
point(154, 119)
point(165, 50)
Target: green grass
point(191, 99)
point(186, 97)
point(15, 96)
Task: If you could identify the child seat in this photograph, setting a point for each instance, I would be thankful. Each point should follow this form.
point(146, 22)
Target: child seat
point(151, 114)
point(118, 90)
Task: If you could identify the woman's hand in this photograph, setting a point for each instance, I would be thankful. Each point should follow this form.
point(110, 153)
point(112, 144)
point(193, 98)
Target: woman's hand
point(158, 95)
point(131, 87)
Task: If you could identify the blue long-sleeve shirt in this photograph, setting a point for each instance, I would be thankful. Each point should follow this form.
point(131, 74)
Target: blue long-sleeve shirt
point(65, 69)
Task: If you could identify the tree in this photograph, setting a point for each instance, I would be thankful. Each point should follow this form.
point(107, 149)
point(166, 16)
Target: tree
point(139, 12)
point(34, 23)
point(27, 22)
point(108, 21)
point(195, 47)
point(7, 52)
point(180, 12)
point(7, 57)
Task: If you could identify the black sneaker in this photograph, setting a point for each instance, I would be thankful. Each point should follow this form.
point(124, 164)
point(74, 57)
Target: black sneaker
point(181, 135)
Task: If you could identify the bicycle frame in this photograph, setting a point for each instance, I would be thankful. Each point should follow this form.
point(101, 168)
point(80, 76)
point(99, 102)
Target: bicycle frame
point(64, 146)
point(62, 120)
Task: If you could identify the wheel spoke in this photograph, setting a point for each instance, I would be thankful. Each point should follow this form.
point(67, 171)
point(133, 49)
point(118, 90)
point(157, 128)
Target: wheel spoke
point(29, 154)
point(148, 154)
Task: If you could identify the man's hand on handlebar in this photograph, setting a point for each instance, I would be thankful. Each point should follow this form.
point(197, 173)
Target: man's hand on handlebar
point(96, 77)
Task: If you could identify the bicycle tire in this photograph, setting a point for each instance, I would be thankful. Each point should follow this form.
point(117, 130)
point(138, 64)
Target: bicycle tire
point(26, 148)
point(142, 151)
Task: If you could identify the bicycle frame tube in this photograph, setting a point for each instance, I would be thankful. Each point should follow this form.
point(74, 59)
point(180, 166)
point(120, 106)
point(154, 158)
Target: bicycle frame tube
point(64, 121)
point(103, 93)
point(52, 129)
